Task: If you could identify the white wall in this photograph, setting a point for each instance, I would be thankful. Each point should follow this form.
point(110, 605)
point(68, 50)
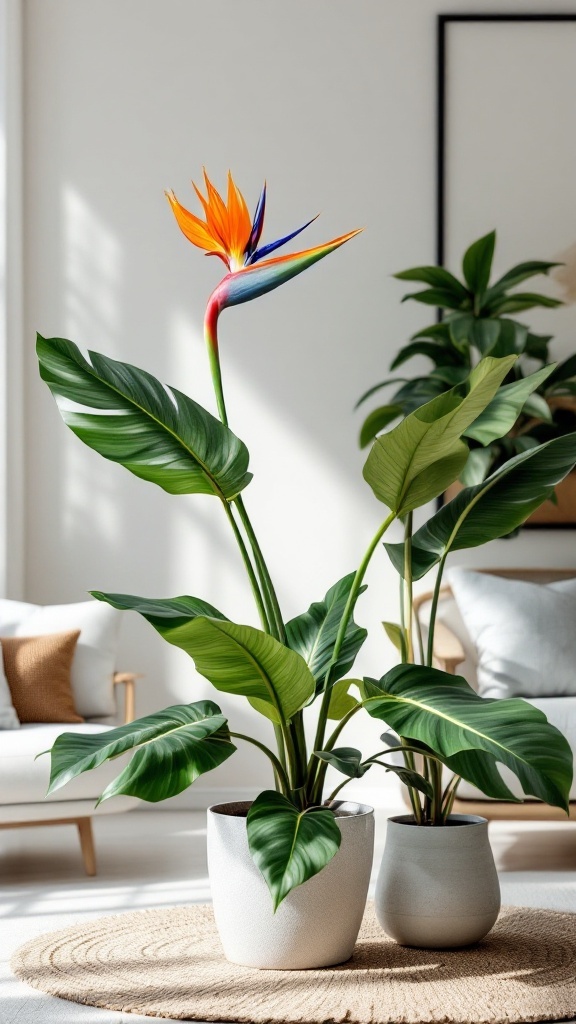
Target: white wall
point(332, 101)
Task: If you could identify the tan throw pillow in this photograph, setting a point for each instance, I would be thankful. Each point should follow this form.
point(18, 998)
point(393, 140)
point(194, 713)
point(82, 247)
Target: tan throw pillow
point(38, 672)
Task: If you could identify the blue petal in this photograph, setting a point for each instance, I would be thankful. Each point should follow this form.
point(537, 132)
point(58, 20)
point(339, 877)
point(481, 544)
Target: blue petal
point(257, 224)
point(266, 249)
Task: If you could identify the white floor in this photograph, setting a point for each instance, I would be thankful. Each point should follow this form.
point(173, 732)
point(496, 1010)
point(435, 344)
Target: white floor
point(157, 859)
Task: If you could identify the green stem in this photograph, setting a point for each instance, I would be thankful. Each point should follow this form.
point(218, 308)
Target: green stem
point(441, 565)
point(261, 584)
point(352, 597)
point(297, 731)
point(393, 750)
point(279, 736)
point(427, 800)
point(335, 792)
point(420, 639)
point(278, 768)
point(412, 793)
point(436, 780)
point(273, 607)
point(408, 587)
point(249, 568)
point(211, 338)
point(434, 609)
point(449, 796)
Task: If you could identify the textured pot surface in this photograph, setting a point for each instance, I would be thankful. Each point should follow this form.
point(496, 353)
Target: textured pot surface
point(437, 887)
point(317, 924)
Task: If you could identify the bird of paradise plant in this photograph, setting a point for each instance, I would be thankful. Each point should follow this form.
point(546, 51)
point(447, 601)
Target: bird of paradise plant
point(287, 669)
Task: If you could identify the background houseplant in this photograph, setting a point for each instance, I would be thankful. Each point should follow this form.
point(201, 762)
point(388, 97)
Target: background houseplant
point(161, 435)
point(478, 319)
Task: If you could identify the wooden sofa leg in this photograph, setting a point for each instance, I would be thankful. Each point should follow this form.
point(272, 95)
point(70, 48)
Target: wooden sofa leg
point(87, 844)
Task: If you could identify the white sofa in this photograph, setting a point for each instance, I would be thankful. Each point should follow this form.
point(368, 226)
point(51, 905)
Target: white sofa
point(96, 686)
point(455, 652)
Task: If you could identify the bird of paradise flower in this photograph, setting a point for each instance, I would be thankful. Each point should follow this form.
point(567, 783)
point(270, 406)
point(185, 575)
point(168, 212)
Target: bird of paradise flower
point(229, 232)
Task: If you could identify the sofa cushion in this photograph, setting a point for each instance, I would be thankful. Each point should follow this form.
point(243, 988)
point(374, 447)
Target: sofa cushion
point(8, 717)
point(524, 633)
point(38, 673)
point(25, 780)
point(94, 659)
point(561, 712)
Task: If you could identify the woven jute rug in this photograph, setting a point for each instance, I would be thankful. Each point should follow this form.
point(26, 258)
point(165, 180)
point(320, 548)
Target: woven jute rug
point(169, 963)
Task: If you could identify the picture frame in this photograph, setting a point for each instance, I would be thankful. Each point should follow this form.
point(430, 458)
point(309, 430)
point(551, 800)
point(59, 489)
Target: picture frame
point(506, 154)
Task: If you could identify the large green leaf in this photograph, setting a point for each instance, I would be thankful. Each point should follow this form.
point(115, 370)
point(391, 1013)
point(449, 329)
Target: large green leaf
point(444, 298)
point(289, 846)
point(519, 302)
point(517, 274)
point(501, 414)
point(377, 387)
point(313, 634)
point(156, 432)
point(347, 760)
point(437, 331)
point(491, 509)
point(446, 714)
point(236, 659)
point(477, 467)
point(376, 421)
point(477, 262)
point(397, 635)
point(409, 777)
point(418, 459)
point(441, 355)
point(537, 406)
point(418, 392)
point(171, 749)
point(564, 371)
point(512, 338)
point(341, 700)
point(484, 335)
point(162, 611)
point(537, 346)
point(436, 277)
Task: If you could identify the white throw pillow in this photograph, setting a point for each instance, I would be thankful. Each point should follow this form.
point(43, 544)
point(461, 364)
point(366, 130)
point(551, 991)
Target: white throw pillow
point(94, 659)
point(524, 633)
point(8, 717)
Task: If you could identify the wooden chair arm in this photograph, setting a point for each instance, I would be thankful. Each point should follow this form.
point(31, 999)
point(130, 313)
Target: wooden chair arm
point(448, 651)
point(127, 680)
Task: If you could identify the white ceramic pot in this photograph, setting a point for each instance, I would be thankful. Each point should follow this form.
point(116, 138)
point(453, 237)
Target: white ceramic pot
point(437, 887)
point(317, 924)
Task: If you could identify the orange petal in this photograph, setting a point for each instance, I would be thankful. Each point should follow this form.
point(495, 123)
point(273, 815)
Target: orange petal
point(217, 214)
point(196, 230)
point(240, 222)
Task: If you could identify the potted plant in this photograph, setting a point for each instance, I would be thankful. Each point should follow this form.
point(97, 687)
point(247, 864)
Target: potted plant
point(295, 863)
point(477, 320)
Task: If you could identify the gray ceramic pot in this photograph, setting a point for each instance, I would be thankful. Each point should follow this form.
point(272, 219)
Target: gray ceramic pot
point(437, 887)
point(317, 924)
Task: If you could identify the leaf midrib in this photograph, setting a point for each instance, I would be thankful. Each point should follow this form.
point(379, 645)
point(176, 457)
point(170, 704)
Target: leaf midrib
point(92, 370)
point(154, 739)
point(321, 631)
point(260, 668)
point(447, 718)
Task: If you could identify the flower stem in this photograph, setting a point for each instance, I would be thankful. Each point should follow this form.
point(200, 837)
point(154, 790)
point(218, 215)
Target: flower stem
point(434, 610)
point(249, 568)
point(408, 597)
point(273, 607)
point(321, 769)
point(211, 338)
